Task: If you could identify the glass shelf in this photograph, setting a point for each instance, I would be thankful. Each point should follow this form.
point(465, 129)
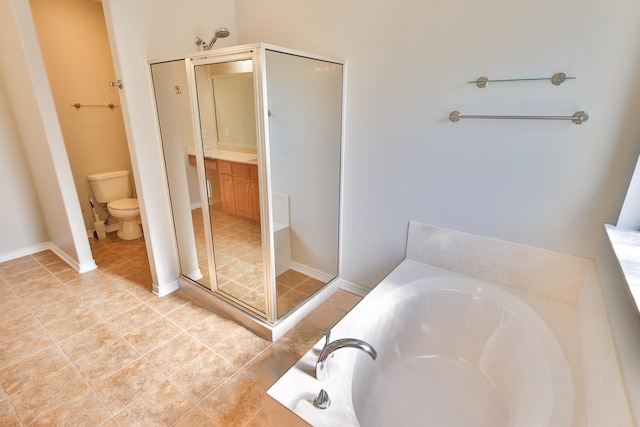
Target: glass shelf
point(556, 80)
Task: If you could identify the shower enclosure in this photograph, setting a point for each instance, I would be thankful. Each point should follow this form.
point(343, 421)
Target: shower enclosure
point(252, 139)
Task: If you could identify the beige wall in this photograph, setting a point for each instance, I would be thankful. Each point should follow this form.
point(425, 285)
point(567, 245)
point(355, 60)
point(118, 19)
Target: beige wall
point(21, 210)
point(75, 47)
point(30, 100)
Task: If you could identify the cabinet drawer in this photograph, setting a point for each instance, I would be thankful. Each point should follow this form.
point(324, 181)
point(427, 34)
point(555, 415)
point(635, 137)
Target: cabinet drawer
point(224, 167)
point(210, 163)
point(240, 169)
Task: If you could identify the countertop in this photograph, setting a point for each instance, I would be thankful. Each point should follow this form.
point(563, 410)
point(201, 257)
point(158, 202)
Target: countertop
point(230, 156)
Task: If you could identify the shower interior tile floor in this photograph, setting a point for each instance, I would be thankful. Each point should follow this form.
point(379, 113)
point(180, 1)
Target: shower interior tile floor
point(238, 257)
point(100, 349)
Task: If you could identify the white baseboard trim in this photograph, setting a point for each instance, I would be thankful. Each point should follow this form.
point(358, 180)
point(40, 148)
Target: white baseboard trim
point(164, 289)
point(8, 256)
point(80, 268)
point(311, 272)
point(354, 289)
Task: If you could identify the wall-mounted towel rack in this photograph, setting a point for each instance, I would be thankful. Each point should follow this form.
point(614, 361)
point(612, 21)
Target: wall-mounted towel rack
point(77, 105)
point(557, 79)
point(577, 118)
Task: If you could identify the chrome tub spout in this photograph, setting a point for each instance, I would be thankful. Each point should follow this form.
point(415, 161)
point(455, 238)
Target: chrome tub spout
point(331, 346)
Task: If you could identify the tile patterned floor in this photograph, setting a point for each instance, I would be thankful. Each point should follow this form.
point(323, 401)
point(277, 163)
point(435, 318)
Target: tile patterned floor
point(238, 257)
point(99, 349)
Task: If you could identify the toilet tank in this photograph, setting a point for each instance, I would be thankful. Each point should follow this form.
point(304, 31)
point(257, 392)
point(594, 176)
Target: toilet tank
point(109, 186)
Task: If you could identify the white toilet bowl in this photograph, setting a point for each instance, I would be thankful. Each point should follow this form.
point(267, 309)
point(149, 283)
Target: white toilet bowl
point(127, 212)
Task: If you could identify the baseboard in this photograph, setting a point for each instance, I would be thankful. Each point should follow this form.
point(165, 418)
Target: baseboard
point(164, 289)
point(354, 289)
point(311, 272)
point(8, 256)
point(80, 268)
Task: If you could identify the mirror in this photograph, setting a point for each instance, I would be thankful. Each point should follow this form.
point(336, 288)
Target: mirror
point(232, 95)
point(255, 190)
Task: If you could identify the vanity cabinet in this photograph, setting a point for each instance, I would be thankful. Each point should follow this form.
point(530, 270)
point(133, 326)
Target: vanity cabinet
point(239, 189)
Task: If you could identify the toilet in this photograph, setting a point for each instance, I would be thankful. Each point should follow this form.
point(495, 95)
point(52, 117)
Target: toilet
point(114, 190)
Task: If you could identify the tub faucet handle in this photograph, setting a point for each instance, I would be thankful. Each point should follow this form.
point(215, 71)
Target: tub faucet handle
point(322, 400)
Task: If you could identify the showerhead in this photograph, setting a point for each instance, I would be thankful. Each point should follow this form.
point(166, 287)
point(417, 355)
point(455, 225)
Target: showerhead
point(220, 33)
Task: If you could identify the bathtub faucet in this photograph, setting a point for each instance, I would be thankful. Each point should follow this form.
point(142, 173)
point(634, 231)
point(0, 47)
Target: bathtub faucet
point(331, 346)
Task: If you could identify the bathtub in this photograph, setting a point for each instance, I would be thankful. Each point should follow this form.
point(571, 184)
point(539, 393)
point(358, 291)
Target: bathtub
point(452, 351)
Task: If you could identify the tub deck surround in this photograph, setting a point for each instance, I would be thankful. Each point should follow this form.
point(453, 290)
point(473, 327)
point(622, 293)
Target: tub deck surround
point(521, 371)
point(541, 272)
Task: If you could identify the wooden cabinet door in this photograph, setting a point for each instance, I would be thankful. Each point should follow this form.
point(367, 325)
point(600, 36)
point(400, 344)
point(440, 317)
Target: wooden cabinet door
point(226, 194)
point(242, 196)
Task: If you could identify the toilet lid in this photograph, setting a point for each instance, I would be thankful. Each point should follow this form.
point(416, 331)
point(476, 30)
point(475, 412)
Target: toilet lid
point(124, 204)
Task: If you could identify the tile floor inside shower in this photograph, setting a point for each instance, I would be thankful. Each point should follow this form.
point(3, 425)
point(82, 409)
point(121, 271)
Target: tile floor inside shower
point(100, 349)
point(238, 259)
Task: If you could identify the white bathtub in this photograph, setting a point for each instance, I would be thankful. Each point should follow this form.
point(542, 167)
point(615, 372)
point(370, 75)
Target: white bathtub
point(452, 351)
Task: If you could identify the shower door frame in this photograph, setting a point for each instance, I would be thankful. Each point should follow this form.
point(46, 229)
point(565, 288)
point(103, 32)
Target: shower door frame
point(256, 54)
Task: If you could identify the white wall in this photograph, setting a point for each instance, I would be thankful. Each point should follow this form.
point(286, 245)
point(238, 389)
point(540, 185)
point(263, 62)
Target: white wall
point(22, 70)
point(24, 225)
point(546, 184)
point(152, 29)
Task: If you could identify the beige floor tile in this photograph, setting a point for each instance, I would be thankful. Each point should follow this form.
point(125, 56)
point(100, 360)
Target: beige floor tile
point(324, 317)
point(60, 309)
point(44, 289)
point(162, 406)
point(46, 257)
point(69, 326)
point(152, 335)
point(261, 419)
point(87, 341)
point(309, 286)
point(23, 277)
point(270, 365)
point(126, 385)
point(175, 353)
point(213, 330)
point(90, 315)
point(240, 347)
point(59, 266)
point(82, 410)
point(194, 418)
point(46, 395)
point(291, 278)
point(17, 327)
point(289, 300)
point(29, 371)
point(301, 338)
point(19, 266)
point(25, 345)
point(106, 360)
point(132, 319)
point(8, 417)
point(235, 402)
point(167, 303)
point(200, 376)
point(109, 302)
point(189, 314)
point(343, 300)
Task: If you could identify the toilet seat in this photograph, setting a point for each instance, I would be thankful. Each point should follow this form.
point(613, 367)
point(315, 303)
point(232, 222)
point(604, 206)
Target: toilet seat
point(128, 204)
